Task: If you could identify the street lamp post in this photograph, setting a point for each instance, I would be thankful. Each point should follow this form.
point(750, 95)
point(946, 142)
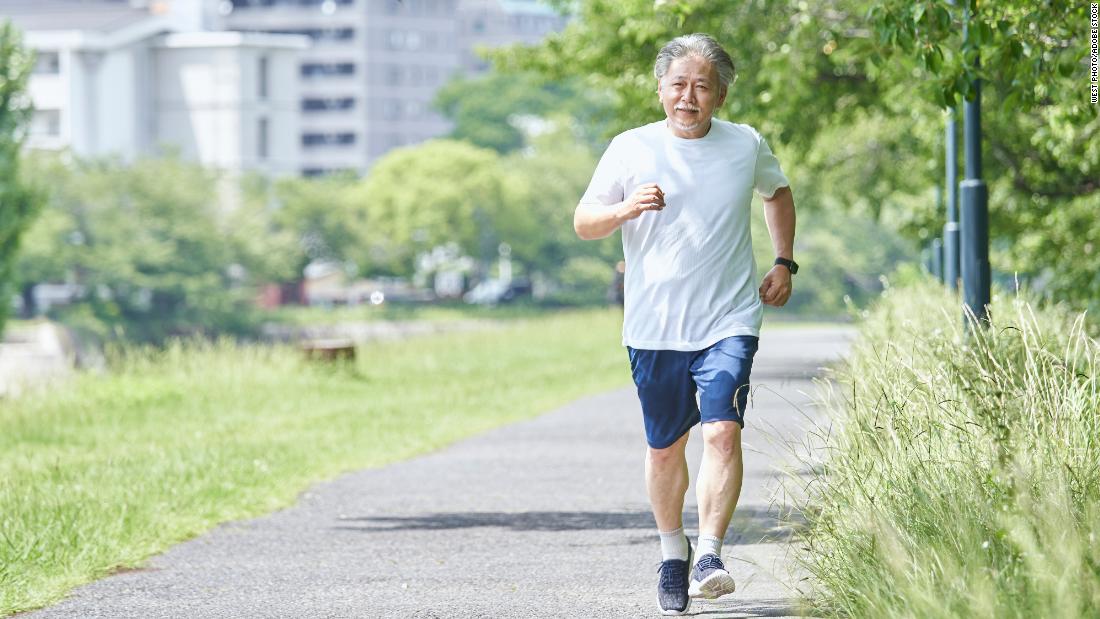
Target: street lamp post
point(975, 204)
point(937, 258)
point(951, 228)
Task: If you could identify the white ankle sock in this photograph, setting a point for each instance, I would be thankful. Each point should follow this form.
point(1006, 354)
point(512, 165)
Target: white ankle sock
point(708, 544)
point(674, 545)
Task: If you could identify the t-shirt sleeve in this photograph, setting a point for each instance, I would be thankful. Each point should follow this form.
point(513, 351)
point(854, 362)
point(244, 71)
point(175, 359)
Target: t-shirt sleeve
point(606, 186)
point(768, 176)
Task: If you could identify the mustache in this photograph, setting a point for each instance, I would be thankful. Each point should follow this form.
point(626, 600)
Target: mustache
point(687, 108)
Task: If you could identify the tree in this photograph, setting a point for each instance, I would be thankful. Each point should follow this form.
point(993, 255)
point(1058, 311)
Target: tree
point(326, 216)
point(19, 202)
point(491, 110)
point(851, 95)
point(443, 192)
point(148, 245)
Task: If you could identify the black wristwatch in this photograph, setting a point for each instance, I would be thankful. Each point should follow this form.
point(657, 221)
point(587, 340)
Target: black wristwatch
point(790, 264)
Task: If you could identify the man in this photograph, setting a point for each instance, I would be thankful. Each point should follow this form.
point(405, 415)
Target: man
point(681, 191)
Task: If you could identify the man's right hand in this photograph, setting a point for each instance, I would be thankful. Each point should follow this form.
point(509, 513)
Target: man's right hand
point(647, 197)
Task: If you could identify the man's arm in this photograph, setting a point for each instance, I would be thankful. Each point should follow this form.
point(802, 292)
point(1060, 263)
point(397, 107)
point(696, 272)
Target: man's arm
point(597, 221)
point(779, 214)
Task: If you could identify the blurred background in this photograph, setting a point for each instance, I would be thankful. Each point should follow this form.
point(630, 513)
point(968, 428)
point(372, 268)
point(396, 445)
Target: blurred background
point(245, 167)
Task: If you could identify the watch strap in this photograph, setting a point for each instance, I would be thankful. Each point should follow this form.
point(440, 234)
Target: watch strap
point(790, 264)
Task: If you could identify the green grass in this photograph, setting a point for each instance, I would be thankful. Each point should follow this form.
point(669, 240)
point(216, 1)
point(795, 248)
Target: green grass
point(433, 312)
point(113, 468)
point(961, 477)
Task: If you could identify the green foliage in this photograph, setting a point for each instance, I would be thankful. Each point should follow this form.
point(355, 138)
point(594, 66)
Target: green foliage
point(19, 202)
point(441, 192)
point(960, 477)
point(841, 259)
point(1042, 160)
point(584, 280)
point(119, 466)
point(850, 94)
point(147, 243)
point(328, 217)
point(490, 110)
point(555, 170)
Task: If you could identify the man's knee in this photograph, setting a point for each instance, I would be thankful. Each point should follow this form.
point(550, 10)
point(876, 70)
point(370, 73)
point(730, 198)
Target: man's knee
point(723, 436)
point(671, 455)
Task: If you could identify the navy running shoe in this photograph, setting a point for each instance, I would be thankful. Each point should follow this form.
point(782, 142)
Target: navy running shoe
point(672, 587)
point(709, 579)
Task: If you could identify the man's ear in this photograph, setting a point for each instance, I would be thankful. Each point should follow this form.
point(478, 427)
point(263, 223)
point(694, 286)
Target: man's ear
point(722, 97)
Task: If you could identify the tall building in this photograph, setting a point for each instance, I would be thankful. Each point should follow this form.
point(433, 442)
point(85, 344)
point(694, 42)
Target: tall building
point(115, 79)
point(368, 82)
point(277, 86)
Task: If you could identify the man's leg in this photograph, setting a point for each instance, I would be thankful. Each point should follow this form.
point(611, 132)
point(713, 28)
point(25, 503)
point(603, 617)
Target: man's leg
point(666, 480)
point(719, 484)
point(666, 476)
point(722, 374)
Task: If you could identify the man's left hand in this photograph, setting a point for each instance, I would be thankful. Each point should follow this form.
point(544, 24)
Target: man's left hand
point(776, 288)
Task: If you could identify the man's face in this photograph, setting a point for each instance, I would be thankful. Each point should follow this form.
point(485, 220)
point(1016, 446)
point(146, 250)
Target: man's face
point(690, 92)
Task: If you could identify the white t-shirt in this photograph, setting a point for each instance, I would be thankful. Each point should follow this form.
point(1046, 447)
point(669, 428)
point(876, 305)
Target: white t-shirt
point(690, 273)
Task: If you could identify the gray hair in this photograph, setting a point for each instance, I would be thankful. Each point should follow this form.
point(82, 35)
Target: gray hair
point(698, 44)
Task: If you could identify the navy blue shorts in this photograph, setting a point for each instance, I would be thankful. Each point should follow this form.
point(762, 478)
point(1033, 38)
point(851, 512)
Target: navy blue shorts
point(668, 381)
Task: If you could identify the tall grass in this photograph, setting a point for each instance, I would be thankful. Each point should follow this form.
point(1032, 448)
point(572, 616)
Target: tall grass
point(106, 470)
point(961, 475)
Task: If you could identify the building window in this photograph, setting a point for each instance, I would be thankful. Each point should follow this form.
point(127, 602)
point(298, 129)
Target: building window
point(46, 123)
point(391, 109)
point(262, 131)
point(319, 34)
point(393, 75)
point(328, 69)
point(328, 171)
point(47, 63)
point(396, 39)
point(304, 4)
point(314, 104)
point(313, 140)
point(263, 69)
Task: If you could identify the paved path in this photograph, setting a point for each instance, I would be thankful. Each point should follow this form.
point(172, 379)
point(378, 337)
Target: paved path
point(546, 518)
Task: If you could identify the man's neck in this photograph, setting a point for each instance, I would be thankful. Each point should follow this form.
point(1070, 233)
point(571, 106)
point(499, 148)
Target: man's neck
point(692, 134)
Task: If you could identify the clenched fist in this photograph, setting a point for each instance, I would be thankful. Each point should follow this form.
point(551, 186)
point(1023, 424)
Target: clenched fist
point(776, 288)
point(647, 197)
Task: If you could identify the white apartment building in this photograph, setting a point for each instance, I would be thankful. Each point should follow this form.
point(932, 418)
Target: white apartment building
point(114, 79)
point(368, 82)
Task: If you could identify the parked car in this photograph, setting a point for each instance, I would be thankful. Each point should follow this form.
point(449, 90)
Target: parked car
point(496, 291)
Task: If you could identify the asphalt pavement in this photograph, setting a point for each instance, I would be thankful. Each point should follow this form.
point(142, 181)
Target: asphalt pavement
point(543, 518)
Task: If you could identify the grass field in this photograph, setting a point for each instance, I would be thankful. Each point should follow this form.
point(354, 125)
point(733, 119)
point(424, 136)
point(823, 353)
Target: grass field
point(102, 473)
point(434, 312)
point(960, 478)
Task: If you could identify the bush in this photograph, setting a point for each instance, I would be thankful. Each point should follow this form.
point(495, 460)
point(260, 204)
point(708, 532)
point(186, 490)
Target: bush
point(961, 477)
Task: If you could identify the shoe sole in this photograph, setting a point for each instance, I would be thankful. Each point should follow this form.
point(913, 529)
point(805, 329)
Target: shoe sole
point(712, 587)
point(672, 613)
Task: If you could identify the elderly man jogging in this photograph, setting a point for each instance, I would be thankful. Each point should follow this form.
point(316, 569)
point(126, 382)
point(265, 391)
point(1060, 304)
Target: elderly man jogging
point(681, 191)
